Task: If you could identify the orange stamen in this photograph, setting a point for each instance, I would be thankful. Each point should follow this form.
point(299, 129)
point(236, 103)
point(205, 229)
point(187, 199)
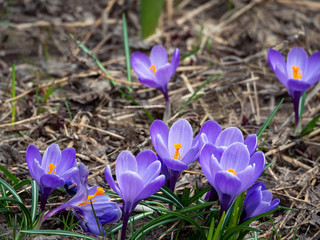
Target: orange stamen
point(177, 155)
point(51, 167)
point(232, 171)
point(296, 74)
point(153, 68)
point(98, 192)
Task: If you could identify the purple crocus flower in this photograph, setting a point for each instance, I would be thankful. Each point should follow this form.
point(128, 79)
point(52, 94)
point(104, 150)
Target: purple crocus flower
point(155, 72)
point(298, 74)
point(257, 201)
point(105, 210)
point(51, 171)
point(138, 178)
point(175, 148)
point(211, 132)
point(231, 172)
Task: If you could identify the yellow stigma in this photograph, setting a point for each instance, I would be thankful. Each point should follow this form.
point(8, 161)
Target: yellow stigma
point(177, 155)
point(296, 74)
point(98, 192)
point(51, 167)
point(232, 171)
point(153, 68)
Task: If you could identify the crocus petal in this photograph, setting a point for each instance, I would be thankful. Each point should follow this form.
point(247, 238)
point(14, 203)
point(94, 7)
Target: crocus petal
point(297, 85)
point(278, 65)
point(51, 181)
point(296, 57)
point(141, 65)
point(180, 132)
point(191, 155)
point(274, 204)
point(246, 178)
point(131, 186)
point(236, 157)
point(125, 162)
point(92, 226)
point(160, 147)
point(67, 175)
point(150, 83)
point(68, 160)
point(144, 159)
point(151, 172)
point(152, 187)
point(33, 155)
point(112, 213)
point(212, 130)
point(158, 56)
point(176, 165)
point(159, 127)
point(258, 159)
point(163, 76)
point(267, 196)
point(175, 60)
point(110, 181)
point(51, 155)
point(229, 136)
point(312, 74)
point(252, 143)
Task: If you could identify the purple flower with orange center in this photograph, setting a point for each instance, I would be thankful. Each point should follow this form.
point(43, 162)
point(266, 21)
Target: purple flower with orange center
point(156, 71)
point(258, 200)
point(231, 172)
point(138, 178)
point(211, 132)
point(51, 171)
point(175, 147)
point(298, 74)
point(105, 210)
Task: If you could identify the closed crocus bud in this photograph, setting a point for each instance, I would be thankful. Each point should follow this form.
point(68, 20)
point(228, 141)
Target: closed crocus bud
point(257, 201)
point(52, 170)
point(298, 74)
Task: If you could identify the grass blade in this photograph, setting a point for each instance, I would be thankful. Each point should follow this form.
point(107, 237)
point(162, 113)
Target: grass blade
point(58, 232)
point(310, 126)
point(126, 49)
point(267, 122)
point(68, 109)
point(217, 233)
point(301, 105)
point(13, 94)
point(9, 175)
point(34, 201)
point(150, 12)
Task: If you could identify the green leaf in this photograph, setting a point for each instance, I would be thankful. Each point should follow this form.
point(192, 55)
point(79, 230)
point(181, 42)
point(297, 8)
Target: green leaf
point(235, 229)
point(236, 210)
point(34, 201)
point(58, 232)
point(150, 12)
point(189, 53)
point(246, 223)
point(171, 196)
point(211, 229)
point(199, 194)
point(126, 49)
point(267, 122)
point(11, 190)
point(310, 126)
point(217, 233)
point(9, 175)
point(48, 93)
point(301, 105)
point(13, 94)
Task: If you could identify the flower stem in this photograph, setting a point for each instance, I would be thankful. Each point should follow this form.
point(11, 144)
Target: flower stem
point(124, 224)
point(166, 114)
point(44, 198)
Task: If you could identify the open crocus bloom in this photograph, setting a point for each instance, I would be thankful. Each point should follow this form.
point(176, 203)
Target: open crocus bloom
point(298, 74)
point(155, 72)
point(212, 133)
point(138, 177)
point(231, 172)
point(257, 201)
point(51, 171)
point(175, 148)
point(105, 210)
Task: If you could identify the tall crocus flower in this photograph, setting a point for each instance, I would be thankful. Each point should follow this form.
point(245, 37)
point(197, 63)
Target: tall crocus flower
point(156, 71)
point(138, 178)
point(211, 132)
point(105, 210)
point(298, 74)
point(231, 172)
point(175, 148)
point(51, 171)
point(257, 201)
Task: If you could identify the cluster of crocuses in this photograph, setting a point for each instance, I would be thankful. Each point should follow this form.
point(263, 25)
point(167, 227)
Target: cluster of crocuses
point(229, 162)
